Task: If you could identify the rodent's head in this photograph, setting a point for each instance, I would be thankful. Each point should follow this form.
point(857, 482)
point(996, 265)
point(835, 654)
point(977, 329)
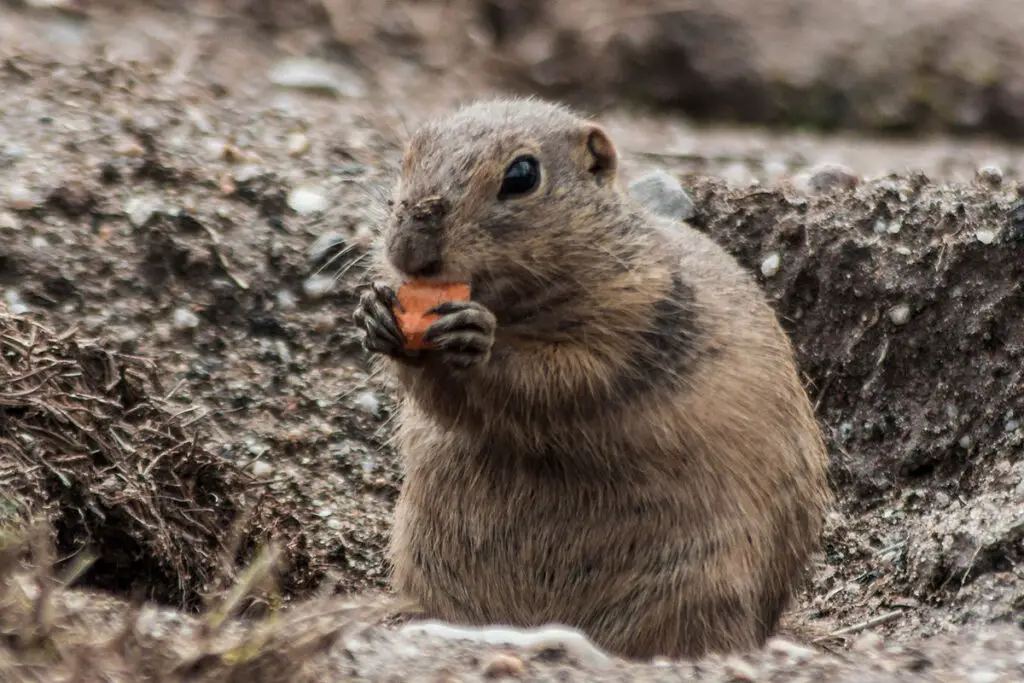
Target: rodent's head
point(502, 190)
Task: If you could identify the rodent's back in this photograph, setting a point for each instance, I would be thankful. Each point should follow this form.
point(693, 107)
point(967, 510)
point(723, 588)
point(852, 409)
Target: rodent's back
point(637, 457)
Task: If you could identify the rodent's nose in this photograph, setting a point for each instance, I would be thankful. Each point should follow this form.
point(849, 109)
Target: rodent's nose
point(416, 253)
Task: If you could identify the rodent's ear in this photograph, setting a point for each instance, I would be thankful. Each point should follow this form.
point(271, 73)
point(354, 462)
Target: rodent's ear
point(597, 153)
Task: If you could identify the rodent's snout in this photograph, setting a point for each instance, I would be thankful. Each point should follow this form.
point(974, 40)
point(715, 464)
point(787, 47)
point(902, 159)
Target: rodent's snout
point(415, 245)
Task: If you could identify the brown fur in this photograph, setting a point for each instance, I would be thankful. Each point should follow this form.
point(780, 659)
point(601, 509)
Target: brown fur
point(635, 456)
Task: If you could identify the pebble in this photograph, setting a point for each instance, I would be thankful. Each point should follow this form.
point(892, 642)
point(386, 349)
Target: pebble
point(965, 441)
point(39, 242)
point(286, 300)
point(297, 144)
point(306, 200)
point(739, 670)
point(318, 286)
point(738, 175)
point(261, 468)
point(185, 319)
point(367, 402)
point(214, 149)
point(15, 305)
point(20, 198)
point(990, 175)
point(504, 665)
point(8, 221)
point(770, 265)
point(985, 236)
point(899, 314)
point(661, 193)
point(141, 209)
point(793, 651)
point(130, 148)
point(317, 75)
point(246, 173)
point(828, 177)
point(775, 170)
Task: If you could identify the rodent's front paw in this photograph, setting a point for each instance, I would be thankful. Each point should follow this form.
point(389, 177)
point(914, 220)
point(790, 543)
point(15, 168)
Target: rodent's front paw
point(464, 334)
point(375, 317)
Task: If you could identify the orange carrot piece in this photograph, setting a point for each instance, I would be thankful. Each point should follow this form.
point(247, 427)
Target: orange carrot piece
point(416, 298)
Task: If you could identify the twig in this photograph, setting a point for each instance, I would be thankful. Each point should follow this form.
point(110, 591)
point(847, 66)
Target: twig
point(221, 260)
point(864, 625)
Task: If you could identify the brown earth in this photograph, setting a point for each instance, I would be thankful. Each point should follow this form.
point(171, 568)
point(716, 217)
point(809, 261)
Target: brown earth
point(158, 193)
point(879, 65)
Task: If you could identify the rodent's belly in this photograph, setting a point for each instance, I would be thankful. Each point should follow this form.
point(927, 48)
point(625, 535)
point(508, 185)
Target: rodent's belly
point(470, 556)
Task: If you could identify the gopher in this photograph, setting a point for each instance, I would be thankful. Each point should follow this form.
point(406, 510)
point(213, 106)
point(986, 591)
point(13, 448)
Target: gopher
point(611, 434)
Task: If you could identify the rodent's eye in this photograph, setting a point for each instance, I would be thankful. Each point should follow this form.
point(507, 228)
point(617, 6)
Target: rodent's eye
point(521, 177)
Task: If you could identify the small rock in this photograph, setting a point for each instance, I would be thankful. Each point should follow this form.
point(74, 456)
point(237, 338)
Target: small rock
point(130, 148)
point(325, 246)
point(770, 265)
point(792, 651)
point(286, 300)
point(775, 170)
point(8, 221)
point(899, 314)
point(15, 305)
point(297, 144)
point(39, 242)
point(367, 402)
point(985, 236)
point(868, 642)
point(828, 178)
point(317, 75)
point(737, 669)
point(504, 665)
point(990, 175)
point(185, 319)
point(662, 194)
point(215, 149)
point(965, 441)
point(247, 173)
point(141, 210)
point(261, 468)
point(306, 200)
point(20, 198)
point(739, 175)
point(318, 286)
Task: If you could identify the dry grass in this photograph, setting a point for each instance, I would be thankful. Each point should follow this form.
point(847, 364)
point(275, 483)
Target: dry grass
point(103, 484)
point(88, 444)
point(50, 631)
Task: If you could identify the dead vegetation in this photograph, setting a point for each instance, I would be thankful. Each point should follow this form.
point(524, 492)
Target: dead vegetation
point(51, 632)
point(89, 445)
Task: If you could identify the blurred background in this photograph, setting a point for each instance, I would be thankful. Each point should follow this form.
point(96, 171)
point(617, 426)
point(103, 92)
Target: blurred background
point(752, 84)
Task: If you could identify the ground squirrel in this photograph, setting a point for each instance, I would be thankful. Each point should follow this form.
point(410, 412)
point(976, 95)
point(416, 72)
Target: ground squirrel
point(612, 433)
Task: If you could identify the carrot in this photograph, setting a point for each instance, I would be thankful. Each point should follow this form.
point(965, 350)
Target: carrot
point(416, 298)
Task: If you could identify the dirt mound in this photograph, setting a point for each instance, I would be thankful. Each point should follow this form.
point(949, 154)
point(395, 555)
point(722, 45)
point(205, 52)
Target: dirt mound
point(88, 445)
point(905, 303)
point(909, 66)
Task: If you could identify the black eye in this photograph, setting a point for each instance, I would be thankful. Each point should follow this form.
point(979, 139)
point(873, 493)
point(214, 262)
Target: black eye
point(521, 177)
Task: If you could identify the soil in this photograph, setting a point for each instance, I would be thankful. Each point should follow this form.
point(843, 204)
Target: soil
point(165, 202)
